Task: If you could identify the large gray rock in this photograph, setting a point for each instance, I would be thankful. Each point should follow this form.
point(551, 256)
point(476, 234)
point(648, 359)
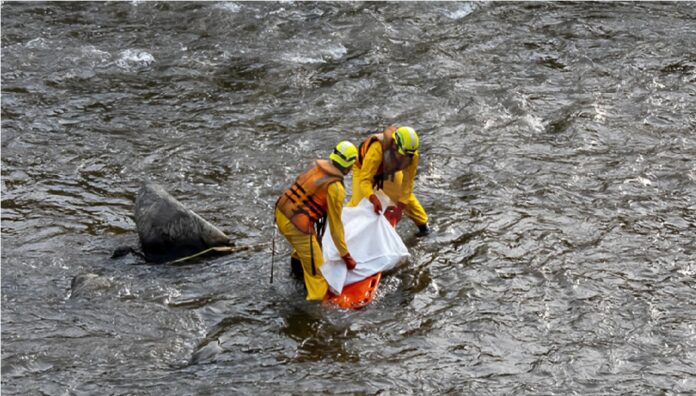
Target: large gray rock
point(168, 230)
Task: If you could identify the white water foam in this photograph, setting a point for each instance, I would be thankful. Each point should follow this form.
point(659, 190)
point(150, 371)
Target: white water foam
point(459, 13)
point(95, 55)
point(229, 6)
point(39, 42)
point(132, 58)
point(318, 56)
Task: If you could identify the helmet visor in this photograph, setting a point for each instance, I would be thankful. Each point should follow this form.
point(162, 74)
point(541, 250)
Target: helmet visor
point(400, 148)
point(342, 159)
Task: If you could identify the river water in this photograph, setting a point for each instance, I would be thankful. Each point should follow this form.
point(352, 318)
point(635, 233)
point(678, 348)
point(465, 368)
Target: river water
point(557, 145)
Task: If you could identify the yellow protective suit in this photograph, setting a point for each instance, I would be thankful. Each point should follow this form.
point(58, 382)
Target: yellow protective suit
point(306, 247)
point(400, 189)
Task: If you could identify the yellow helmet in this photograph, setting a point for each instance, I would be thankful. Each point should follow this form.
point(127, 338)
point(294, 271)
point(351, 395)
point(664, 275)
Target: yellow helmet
point(406, 141)
point(344, 154)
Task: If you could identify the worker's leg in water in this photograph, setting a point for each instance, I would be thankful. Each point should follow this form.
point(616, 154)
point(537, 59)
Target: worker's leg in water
point(414, 210)
point(307, 250)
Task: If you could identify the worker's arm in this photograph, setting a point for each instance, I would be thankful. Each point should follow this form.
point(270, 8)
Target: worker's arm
point(370, 167)
point(409, 179)
point(336, 195)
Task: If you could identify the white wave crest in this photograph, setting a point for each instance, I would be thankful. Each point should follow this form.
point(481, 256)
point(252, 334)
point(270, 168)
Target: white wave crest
point(229, 6)
point(534, 122)
point(39, 42)
point(337, 52)
point(131, 58)
point(461, 12)
point(318, 56)
point(95, 55)
point(294, 58)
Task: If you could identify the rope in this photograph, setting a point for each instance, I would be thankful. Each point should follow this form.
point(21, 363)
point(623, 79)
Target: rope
point(220, 249)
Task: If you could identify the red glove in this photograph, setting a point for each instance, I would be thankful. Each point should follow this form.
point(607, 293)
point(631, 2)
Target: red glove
point(376, 204)
point(394, 213)
point(401, 206)
point(350, 263)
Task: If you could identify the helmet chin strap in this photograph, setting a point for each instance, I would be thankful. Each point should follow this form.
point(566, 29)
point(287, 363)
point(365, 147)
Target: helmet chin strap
point(395, 147)
point(343, 170)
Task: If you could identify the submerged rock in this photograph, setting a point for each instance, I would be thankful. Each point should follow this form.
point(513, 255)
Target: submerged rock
point(126, 250)
point(88, 283)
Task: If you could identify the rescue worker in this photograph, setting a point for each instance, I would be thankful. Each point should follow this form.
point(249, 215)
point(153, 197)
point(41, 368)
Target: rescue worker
point(388, 161)
point(301, 213)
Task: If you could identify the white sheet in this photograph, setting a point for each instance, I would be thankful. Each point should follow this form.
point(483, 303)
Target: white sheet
point(371, 240)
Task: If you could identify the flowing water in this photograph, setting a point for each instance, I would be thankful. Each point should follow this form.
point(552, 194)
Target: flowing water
point(557, 144)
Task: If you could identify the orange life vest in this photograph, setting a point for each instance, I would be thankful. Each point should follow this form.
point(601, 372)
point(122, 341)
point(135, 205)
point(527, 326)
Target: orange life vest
point(391, 163)
point(305, 202)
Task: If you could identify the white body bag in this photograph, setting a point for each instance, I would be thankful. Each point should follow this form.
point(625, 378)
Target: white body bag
point(371, 240)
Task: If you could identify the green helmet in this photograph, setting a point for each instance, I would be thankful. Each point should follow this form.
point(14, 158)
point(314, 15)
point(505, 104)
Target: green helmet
point(406, 141)
point(344, 154)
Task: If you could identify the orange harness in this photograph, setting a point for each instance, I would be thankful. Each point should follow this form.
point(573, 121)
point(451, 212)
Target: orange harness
point(305, 202)
point(390, 161)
